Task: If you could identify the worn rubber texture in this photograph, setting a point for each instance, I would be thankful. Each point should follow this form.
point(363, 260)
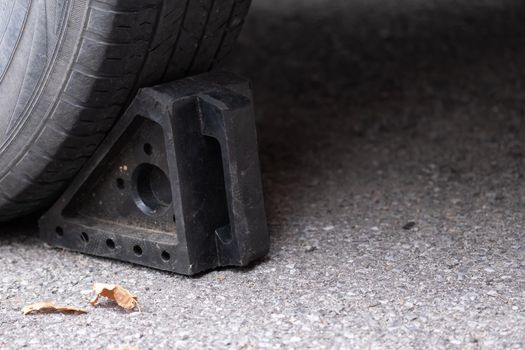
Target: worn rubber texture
point(68, 69)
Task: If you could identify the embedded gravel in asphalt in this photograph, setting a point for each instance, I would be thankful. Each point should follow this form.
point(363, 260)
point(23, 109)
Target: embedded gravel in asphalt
point(392, 138)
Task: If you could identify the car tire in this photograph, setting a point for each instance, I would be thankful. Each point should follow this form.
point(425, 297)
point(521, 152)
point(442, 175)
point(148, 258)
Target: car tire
point(69, 68)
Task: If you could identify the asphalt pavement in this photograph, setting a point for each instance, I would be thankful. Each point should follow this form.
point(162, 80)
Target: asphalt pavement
point(392, 140)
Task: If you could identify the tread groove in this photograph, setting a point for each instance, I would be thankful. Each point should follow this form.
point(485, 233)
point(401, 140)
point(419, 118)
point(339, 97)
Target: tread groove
point(175, 45)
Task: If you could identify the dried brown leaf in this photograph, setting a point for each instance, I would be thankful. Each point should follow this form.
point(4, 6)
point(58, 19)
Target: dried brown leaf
point(48, 307)
point(119, 294)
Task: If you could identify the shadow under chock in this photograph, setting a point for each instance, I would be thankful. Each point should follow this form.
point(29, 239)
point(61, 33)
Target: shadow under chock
point(377, 98)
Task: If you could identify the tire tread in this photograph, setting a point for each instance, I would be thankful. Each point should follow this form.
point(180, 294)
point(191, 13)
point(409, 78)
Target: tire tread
point(121, 38)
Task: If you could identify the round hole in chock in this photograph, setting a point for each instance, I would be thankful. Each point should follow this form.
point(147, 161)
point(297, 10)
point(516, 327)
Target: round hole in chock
point(151, 189)
point(110, 243)
point(165, 256)
point(137, 250)
point(148, 149)
point(120, 183)
point(59, 231)
point(85, 237)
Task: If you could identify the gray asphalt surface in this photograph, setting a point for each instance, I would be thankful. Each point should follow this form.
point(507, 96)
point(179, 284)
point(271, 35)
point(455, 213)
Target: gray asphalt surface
point(371, 115)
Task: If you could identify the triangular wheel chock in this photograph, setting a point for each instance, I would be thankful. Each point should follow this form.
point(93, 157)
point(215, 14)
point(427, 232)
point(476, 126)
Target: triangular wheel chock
point(176, 184)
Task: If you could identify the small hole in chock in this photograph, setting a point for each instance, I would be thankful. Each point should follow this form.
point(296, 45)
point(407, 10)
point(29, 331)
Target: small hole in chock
point(60, 231)
point(120, 183)
point(137, 250)
point(165, 256)
point(84, 236)
point(151, 189)
point(110, 243)
point(148, 149)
